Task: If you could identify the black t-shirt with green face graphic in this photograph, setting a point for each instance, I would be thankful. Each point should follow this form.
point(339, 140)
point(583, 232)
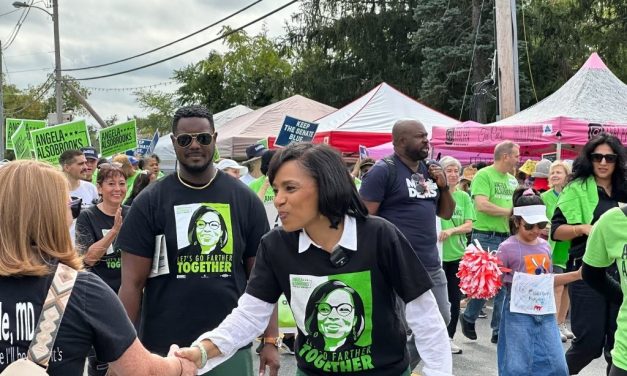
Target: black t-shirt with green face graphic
point(346, 317)
point(208, 234)
point(91, 226)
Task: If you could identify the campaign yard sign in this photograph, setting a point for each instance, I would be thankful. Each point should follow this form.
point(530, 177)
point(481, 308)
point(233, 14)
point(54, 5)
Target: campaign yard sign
point(143, 146)
point(29, 125)
point(118, 138)
point(550, 156)
point(50, 142)
point(19, 138)
point(295, 130)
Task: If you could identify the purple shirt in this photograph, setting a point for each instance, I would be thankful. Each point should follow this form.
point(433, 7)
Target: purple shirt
point(524, 258)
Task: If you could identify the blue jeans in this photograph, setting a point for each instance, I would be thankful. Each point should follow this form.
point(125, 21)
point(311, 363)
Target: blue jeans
point(529, 345)
point(473, 308)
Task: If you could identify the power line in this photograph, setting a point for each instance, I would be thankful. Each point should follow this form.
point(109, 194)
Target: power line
point(472, 59)
point(107, 89)
point(191, 49)
point(168, 44)
point(30, 70)
point(38, 96)
point(18, 26)
point(7, 13)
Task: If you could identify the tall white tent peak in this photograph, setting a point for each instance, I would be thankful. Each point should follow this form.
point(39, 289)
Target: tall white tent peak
point(378, 109)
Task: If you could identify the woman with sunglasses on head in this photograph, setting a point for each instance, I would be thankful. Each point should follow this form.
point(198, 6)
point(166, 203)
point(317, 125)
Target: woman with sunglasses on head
point(341, 271)
point(529, 343)
point(96, 229)
point(596, 186)
point(35, 249)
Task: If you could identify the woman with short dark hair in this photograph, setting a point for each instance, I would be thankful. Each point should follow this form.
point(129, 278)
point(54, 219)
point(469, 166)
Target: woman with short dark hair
point(341, 271)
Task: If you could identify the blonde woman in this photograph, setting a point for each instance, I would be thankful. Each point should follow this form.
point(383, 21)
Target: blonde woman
point(34, 239)
point(558, 176)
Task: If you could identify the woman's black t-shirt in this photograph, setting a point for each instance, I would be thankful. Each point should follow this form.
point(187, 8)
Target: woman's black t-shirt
point(346, 316)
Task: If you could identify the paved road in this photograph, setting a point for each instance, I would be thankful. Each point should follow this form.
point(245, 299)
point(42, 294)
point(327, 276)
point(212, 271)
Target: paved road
point(478, 357)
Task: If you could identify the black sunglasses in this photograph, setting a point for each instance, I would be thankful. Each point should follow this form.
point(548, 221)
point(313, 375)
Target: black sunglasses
point(75, 206)
point(541, 225)
point(185, 139)
point(598, 157)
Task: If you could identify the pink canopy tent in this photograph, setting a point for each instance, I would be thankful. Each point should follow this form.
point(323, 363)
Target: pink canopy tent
point(465, 157)
point(594, 100)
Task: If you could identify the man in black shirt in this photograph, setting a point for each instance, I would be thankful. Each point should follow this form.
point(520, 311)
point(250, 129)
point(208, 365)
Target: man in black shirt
point(192, 237)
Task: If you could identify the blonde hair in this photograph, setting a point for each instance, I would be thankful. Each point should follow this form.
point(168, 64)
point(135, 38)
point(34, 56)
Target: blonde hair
point(33, 229)
point(127, 167)
point(562, 164)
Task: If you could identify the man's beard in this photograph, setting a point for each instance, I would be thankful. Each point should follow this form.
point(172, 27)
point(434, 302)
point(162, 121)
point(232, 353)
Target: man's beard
point(417, 155)
point(196, 169)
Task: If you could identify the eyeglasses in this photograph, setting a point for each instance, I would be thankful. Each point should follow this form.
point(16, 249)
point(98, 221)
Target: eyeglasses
point(598, 157)
point(185, 139)
point(213, 225)
point(541, 225)
point(75, 206)
point(343, 309)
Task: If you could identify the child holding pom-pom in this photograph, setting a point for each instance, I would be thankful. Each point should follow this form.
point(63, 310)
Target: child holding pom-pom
point(529, 340)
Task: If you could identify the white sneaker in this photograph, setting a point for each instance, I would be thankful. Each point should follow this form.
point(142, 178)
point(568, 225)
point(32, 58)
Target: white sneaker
point(562, 335)
point(454, 348)
point(564, 330)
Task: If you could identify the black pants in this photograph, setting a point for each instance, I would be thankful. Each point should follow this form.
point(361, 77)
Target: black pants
point(454, 294)
point(593, 321)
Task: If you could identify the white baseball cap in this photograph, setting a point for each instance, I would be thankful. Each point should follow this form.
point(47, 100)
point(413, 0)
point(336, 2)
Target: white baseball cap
point(532, 214)
point(229, 163)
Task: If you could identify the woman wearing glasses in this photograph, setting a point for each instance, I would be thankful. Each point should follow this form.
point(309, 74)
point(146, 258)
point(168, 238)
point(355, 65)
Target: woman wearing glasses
point(34, 243)
point(597, 185)
point(341, 271)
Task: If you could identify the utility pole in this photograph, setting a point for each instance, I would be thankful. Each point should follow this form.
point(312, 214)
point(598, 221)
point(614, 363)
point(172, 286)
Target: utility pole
point(86, 104)
point(507, 52)
point(57, 62)
point(2, 122)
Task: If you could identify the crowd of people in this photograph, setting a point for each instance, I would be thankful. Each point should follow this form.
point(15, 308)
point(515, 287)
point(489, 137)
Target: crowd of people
point(366, 258)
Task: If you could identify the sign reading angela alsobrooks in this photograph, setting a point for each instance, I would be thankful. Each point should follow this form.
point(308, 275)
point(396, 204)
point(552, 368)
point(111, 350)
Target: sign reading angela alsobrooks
point(20, 142)
point(118, 138)
point(29, 125)
point(50, 142)
point(294, 130)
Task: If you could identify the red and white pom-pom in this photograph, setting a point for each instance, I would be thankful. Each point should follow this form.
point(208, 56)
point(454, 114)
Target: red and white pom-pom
point(479, 273)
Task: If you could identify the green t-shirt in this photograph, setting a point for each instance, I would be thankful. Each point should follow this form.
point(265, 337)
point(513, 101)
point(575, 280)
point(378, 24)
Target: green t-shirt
point(608, 243)
point(454, 246)
point(559, 249)
point(256, 187)
point(498, 188)
point(129, 184)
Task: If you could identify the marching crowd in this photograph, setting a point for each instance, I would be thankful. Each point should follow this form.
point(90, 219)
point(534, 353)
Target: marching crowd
point(366, 261)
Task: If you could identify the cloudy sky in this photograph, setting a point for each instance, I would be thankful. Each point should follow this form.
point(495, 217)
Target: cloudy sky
point(96, 32)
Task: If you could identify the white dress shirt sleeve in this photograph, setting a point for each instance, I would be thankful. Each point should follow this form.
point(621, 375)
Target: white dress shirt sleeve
point(245, 323)
point(426, 322)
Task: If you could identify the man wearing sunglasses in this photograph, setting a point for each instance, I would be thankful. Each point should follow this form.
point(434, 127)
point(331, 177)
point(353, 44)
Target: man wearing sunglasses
point(186, 289)
point(492, 190)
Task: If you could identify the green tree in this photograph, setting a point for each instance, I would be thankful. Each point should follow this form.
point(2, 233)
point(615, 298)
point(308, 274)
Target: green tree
point(254, 72)
point(345, 48)
point(446, 38)
point(161, 107)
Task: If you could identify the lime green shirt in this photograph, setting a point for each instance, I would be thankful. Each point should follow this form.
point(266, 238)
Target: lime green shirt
point(559, 249)
point(129, 184)
point(256, 187)
point(498, 188)
point(454, 246)
point(608, 243)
